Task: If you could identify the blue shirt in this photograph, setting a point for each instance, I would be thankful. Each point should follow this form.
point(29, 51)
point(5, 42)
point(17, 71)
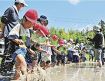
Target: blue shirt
point(10, 18)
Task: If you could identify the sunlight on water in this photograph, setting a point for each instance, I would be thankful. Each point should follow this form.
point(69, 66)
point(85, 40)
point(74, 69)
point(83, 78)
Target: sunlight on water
point(77, 73)
point(72, 72)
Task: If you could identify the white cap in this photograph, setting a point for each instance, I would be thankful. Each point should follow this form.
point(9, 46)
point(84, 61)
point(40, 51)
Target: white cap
point(21, 1)
point(97, 28)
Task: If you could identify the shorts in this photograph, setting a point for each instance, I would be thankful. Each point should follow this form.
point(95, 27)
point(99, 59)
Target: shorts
point(98, 54)
point(21, 51)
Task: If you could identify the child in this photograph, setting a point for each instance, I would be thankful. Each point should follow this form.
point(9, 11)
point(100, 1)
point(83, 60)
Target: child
point(20, 36)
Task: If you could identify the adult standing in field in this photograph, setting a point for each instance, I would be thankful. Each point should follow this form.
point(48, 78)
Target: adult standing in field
point(98, 45)
point(10, 19)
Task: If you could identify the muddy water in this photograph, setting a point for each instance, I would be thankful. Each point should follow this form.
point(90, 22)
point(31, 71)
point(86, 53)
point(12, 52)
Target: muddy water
point(77, 73)
point(69, 72)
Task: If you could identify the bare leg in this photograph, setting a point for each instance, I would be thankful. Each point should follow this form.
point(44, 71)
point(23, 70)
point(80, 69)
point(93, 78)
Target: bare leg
point(20, 66)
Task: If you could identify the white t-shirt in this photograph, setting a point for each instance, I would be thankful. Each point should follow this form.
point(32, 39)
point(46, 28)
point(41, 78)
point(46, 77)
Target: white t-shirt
point(46, 57)
point(19, 30)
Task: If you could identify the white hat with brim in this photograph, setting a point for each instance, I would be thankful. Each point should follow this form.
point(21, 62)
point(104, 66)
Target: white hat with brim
point(21, 1)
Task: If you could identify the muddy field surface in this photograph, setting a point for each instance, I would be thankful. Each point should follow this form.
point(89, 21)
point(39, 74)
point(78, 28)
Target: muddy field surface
point(69, 72)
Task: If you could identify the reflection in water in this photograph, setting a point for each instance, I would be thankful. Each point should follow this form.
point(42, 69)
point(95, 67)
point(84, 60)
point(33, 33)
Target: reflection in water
point(76, 72)
point(72, 72)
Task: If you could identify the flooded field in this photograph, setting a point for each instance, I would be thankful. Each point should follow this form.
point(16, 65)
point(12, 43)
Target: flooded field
point(78, 73)
point(72, 72)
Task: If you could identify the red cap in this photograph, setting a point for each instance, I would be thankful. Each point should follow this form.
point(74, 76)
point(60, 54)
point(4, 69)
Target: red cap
point(42, 28)
point(54, 37)
point(31, 15)
point(61, 42)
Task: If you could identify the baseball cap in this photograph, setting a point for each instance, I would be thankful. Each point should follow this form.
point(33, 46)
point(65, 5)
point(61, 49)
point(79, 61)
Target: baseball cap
point(31, 15)
point(21, 1)
point(42, 17)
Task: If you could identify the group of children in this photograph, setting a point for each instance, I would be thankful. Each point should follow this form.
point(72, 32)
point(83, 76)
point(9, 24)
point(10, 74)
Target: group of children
point(26, 51)
point(32, 47)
